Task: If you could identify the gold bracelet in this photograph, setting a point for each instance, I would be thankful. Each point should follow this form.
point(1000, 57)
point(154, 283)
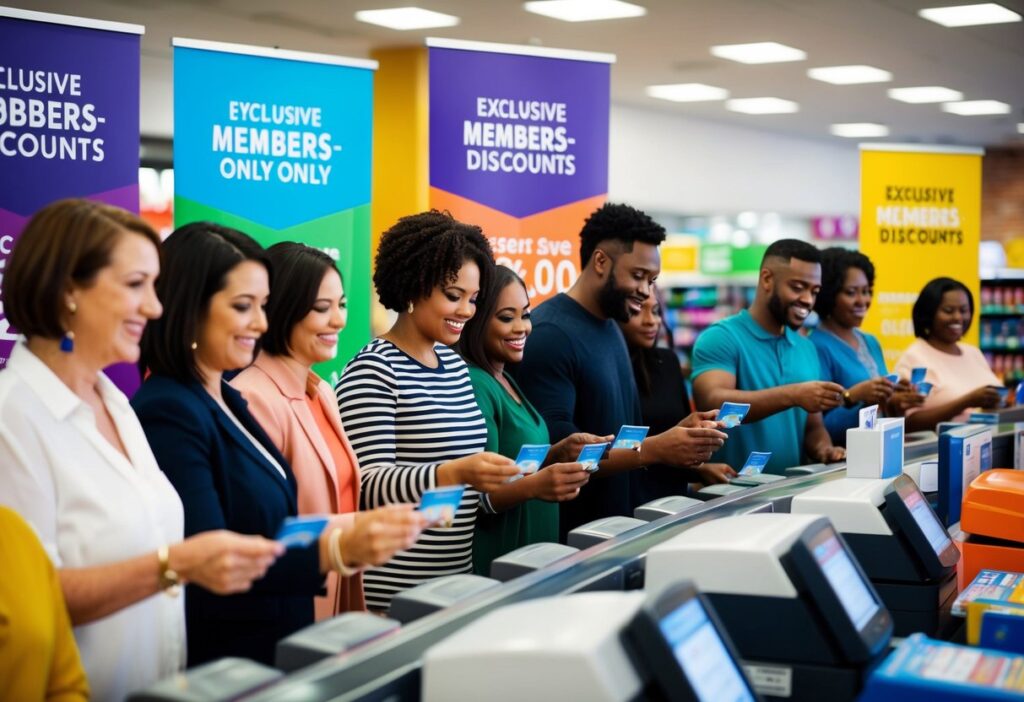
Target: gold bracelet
point(169, 581)
point(334, 553)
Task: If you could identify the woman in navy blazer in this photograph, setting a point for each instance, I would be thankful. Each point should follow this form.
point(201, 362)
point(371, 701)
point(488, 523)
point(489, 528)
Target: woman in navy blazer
point(226, 470)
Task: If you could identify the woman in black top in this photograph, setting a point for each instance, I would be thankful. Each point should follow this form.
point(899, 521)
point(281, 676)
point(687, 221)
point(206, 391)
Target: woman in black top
point(664, 402)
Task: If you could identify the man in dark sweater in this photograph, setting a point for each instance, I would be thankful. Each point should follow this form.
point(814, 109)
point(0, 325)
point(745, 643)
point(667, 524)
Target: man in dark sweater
point(576, 368)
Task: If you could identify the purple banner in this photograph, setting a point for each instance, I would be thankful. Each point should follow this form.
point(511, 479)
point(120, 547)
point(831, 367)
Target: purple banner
point(69, 125)
point(519, 134)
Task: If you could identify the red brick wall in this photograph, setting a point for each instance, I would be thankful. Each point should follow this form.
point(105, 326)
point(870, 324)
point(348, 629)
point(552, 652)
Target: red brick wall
point(1002, 194)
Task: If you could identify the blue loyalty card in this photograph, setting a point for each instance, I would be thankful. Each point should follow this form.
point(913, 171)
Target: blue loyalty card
point(591, 455)
point(756, 462)
point(300, 531)
point(440, 504)
point(917, 375)
point(924, 388)
point(732, 413)
point(1003, 392)
point(629, 437)
point(893, 378)
point(867, 417)
point(531, 457)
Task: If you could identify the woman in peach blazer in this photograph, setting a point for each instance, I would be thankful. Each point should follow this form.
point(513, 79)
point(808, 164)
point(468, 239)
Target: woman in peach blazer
point(297, 408)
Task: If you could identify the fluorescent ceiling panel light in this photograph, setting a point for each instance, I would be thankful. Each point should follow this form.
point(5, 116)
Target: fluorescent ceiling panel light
point(859, 130)
point(925, 94)
point(687, 92)
point(977, 107)
point(585, 10)
point(1020, 127)
point(969, 15)
point(760, 52)
point(762, 106)
point(405, 18)
point(850, 75)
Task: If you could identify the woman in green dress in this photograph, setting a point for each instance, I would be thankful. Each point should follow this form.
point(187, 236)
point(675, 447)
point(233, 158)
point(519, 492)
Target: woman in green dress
point(525, 511)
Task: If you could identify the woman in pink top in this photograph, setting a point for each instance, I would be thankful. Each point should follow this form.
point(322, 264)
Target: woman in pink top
point(960, 377)
point(297, 408)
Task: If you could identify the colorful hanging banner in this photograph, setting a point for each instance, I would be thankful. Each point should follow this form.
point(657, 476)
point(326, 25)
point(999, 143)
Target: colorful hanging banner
point(519, 146)
point(69, 125)
point(920, 219)
point(277, 144)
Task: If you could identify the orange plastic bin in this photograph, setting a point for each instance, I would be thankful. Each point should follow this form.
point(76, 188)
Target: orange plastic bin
point(992, 519)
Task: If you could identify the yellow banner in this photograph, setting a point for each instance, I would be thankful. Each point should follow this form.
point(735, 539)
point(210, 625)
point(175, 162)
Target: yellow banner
point(920, 218)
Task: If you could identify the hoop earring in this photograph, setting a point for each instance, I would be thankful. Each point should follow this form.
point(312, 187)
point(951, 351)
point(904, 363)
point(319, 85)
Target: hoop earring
point(411, 308)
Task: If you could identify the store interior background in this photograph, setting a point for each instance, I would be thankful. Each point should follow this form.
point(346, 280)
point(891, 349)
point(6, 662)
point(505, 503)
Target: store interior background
point(723, 183)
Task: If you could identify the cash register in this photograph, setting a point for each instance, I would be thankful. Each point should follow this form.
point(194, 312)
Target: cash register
point(805, 619)
point(899, 542)
point(597, 646)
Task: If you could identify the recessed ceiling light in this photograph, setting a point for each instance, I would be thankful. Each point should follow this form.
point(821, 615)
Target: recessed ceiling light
point(585, 10)
point(925, 94)
point(762, 106)
point(850, 75)
point(404, 18)
point(759, 52)
point(687, 92)
point(977, 107)
point(969, 15)
point(859, 130)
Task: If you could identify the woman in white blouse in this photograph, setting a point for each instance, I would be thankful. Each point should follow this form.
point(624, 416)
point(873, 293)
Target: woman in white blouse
point(74, 461)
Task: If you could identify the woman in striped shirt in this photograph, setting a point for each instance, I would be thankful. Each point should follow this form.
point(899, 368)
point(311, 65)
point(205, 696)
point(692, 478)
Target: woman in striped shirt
point(406, 400)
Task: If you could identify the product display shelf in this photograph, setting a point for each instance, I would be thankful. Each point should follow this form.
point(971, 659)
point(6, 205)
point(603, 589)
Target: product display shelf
point(1001, 325)
point(694, 304)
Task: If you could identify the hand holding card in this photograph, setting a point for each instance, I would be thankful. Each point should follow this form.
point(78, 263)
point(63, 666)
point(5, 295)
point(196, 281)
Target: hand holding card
point(630, 437)
point(301, 531)
point(590, 456)
point(439, 505)
point(732, 413)
point(529, 459)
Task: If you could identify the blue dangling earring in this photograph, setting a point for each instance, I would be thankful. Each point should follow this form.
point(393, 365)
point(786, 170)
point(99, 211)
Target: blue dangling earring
point(67, 342)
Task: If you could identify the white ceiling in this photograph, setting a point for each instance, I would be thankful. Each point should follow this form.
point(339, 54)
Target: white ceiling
point(669, 45)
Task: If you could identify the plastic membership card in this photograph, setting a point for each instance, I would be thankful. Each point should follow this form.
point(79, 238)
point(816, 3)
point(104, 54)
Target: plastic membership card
point(732, 414)
point(440, 504)
point(757, 461)
point(300, 531)
point(531, 458)
point(893, 378)
point(590, 455)
point(867, 417)
point(629, 437)
point(917, 375)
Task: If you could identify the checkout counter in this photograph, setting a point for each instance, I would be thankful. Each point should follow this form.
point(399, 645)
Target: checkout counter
point(900, 543)
point(391, 667)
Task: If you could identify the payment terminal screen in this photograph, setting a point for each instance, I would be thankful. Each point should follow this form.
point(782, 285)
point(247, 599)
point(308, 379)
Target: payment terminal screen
point(846, 581)
point(926, 519)
point(702, 655)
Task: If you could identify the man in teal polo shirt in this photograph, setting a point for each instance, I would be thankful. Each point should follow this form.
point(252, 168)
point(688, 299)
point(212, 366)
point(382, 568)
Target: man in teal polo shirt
point(758, 357)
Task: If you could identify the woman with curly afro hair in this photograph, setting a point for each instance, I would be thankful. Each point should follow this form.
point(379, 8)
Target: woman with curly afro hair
point(406, 399)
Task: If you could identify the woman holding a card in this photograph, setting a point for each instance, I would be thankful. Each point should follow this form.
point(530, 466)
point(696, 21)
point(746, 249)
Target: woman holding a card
point(407, 402)
point(848, 356)
point(960, 377)
point(298, 410)
point(75, 463)
point(664, 402)
point(228, 472)
point(526, 510)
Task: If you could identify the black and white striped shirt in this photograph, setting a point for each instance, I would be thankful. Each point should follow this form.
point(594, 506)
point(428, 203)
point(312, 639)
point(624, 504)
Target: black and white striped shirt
point(404, 419)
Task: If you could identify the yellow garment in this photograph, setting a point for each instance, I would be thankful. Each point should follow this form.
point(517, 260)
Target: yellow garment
point(38, 656)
